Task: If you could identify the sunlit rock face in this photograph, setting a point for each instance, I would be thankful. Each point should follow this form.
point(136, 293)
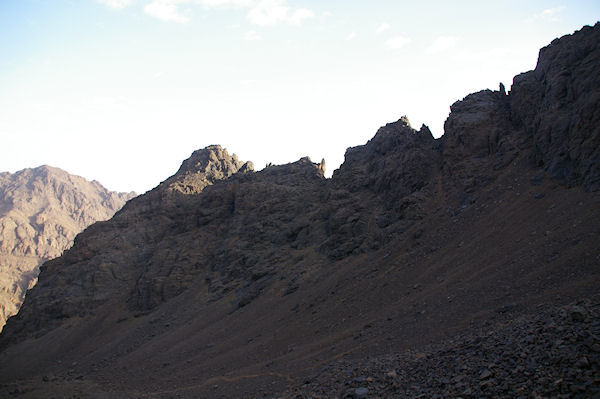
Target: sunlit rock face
point(41, 212)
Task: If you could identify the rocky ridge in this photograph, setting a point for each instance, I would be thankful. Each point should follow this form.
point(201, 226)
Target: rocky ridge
point(41, 211)
point(557, 106)
point(226, 282)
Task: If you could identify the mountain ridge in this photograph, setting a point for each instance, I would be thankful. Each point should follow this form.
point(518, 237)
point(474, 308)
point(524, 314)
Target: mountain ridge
point(41, 211)
point(259, 279)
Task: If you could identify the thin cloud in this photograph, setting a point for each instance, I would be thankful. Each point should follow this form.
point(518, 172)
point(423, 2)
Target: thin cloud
point(225, 3)
point(165, 10)
point(441, 43)
point(383, 27)
point(550, 14)
point(271, 12)
point(351, 36)
point(260, 12)
point(299, 15)
point(397, 42)
point(115, 3)
point(251, 36)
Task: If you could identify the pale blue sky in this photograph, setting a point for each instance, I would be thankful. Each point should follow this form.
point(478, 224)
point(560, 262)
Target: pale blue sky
point(122, 91)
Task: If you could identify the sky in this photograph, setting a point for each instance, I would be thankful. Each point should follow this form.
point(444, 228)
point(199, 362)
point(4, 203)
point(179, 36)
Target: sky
point(122, 91)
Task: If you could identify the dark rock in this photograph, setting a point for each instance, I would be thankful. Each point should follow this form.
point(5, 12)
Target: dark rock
point(507, 308)
point(480, 126)
point(485, 374)
point(582, 363)
point(556, 105)
point(361, 392)
point(396, 163)
point(578, 313)
point(519, 367)
point(203, 168)
point(536, 180)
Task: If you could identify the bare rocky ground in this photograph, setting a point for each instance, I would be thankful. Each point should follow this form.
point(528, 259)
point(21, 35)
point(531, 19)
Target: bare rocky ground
point(553, 353)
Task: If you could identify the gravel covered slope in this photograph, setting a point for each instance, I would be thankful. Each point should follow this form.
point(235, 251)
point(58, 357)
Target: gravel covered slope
point(554, 353)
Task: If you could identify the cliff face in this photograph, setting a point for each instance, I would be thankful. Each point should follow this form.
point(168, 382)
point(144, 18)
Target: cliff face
point(223, 279)
point(557, 105)
point(41, 211)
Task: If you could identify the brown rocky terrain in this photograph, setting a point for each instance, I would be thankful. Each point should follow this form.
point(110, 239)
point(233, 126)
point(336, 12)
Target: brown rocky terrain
point(466, 265)
point(41, 212)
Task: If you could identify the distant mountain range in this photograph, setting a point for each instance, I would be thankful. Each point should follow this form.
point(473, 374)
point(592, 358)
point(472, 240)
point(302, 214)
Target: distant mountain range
point(41, 212)
point(466, 266)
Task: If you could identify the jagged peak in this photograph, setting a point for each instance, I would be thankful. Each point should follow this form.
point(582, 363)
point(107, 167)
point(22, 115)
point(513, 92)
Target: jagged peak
point(397, 134)
point(201, 160)
point(401, 124)
point(475, 101)
point(424, 130)
point(203, 168)
point(304, 166)
point(547, 55)
point(39, 170)
point(51, 174)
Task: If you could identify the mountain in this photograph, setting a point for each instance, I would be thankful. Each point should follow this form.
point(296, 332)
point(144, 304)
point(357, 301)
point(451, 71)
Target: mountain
point(466, 265)
point(41, 211)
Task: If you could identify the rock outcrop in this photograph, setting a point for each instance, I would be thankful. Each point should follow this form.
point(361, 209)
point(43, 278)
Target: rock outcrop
point(551, 112)
point(203, 168)
point(397, 162)
point(227, 282)
point(41, 212)
point(558, 107)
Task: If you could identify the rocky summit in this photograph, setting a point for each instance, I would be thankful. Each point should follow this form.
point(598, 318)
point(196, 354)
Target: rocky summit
point(463, 266)
point(41, 212)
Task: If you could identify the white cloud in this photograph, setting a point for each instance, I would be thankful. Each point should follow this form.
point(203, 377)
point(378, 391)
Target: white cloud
point(115, 3)
point(383, 27)
point(165, 10)
point(251, 35)
point(351, 36)
point(225, 3)
point(260, 12)
point(550, 14)
point(397, 42)
point(300, 15)
point(441, 43)
point(271, 12)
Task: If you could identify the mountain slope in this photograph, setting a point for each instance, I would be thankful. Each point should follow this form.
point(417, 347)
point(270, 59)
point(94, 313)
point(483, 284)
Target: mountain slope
point(41, 211)
point(226, 282)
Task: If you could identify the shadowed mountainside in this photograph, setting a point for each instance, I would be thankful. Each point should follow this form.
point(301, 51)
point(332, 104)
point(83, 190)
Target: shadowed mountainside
point(41, 211)
point(226, 282)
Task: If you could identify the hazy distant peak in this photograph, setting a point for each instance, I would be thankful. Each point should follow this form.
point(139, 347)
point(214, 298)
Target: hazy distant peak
point(41, 211)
